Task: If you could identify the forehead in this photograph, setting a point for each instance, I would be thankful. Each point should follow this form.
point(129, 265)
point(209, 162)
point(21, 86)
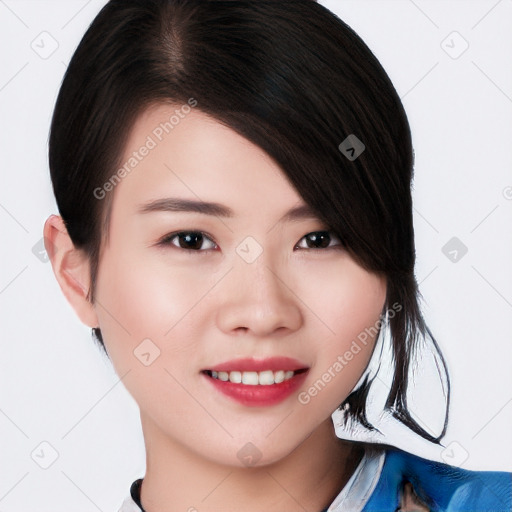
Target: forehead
point(176, 152)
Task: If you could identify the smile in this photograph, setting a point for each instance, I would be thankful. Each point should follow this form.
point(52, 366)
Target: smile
point(263, 378)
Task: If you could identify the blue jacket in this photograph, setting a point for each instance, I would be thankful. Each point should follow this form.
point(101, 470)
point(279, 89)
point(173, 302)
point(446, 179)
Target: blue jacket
point(439, 487)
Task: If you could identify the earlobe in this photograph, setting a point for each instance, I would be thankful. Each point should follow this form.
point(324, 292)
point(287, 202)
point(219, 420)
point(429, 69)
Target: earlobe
point(71, 268)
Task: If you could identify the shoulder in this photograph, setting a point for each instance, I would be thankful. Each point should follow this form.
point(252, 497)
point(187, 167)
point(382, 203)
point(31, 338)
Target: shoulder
point(439, 486)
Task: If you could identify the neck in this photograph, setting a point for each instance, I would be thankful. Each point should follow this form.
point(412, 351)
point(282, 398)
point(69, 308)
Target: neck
point(308, 478)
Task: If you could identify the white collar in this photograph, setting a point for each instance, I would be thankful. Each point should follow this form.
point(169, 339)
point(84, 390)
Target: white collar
point(359, 488)
point(129, 506)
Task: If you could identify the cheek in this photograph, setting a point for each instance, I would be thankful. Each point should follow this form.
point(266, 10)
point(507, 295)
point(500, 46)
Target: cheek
point(145, 318)
point(349, 307)
point(345, 298)
point(139, 289)
point(133, 302)
point(144, 298)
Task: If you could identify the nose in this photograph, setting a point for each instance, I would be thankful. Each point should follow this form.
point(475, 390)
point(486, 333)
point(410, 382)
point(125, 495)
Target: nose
point(257, 298)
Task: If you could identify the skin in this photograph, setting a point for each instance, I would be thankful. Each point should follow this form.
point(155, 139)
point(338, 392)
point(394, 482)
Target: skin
point(205, 306)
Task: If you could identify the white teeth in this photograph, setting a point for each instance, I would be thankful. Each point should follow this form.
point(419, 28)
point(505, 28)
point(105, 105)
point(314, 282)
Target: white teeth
point(279, 376)
point(250, 378)
point(235, 377)
point(264, 378)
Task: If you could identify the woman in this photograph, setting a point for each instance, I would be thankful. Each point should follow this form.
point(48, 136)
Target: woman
point(233, 181)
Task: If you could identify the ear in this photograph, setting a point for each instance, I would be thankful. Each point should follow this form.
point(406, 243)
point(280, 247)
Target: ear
point(71, 268)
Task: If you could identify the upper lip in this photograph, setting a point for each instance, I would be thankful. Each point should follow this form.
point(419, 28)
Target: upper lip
point(249, 364)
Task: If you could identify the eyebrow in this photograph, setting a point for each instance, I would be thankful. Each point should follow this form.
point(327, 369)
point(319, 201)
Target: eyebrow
point(172, 204)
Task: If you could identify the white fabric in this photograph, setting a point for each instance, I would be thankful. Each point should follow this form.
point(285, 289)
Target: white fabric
point(362, 483)
point(427, 388)
point(129, 506)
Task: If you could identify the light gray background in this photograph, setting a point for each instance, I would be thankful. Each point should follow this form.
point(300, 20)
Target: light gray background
point(56, 387)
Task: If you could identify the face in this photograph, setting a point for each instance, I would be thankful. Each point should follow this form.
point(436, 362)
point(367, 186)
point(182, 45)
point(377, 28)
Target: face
point(181, 292)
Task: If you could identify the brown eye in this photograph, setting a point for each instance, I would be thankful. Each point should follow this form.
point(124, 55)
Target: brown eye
point(188, 240)
point(320, 240)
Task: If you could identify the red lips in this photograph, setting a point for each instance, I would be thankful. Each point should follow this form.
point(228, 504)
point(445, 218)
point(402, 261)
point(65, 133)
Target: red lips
point(258, 395)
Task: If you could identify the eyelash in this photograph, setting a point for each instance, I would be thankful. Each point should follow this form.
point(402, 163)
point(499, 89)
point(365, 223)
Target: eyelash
point(167, 240)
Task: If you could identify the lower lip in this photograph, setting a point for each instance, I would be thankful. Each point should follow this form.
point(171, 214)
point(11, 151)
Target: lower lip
point(258, 395)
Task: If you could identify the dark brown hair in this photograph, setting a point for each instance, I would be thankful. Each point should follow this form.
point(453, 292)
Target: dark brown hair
point(289, 76)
